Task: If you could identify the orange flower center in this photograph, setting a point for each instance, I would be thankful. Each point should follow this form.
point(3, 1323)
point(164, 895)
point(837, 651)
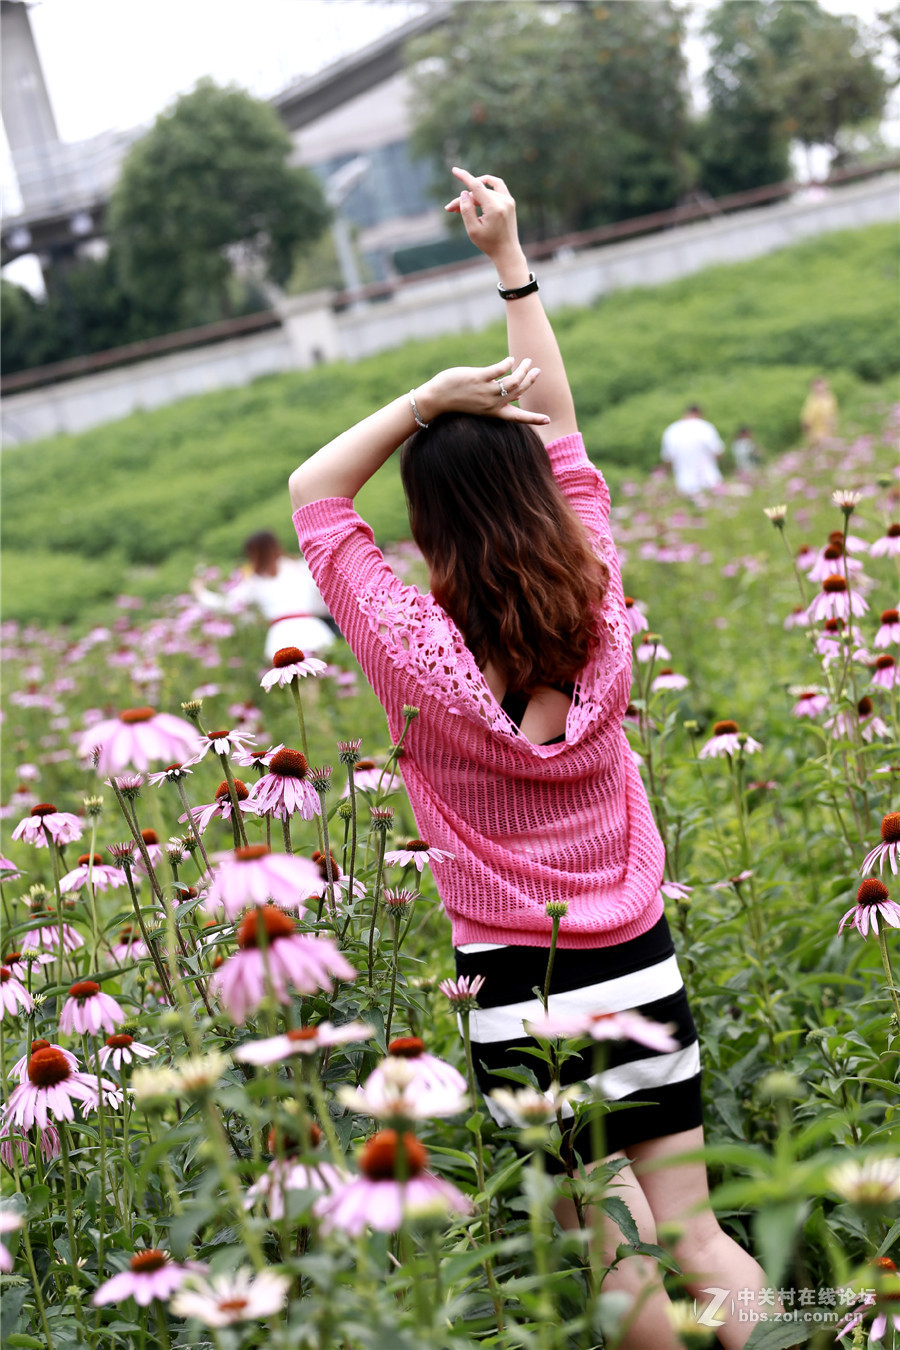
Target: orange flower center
point(884, 662)
point(416, 846)
point(234, 1305)
point(321, 862)
point(379, 1159)
point(144, 1262)
point(131, 715)
point(5, 974)
point(48, 1067)
point(301, 1034)
point(240, 791)
point(287, 656)
point(150, 836)
point(890, 616)
point(252, 853)
point(84, 989)
point(276, 923)
point(119, 1042)
point(726, 728)
point(85, 859)
point(893, 531)
point(289, 764)
point(872, 892)
point(364, 764)
point(407, 1047)
point(217, 735)
point(43, 809)
point(833, 585)
point(890, 828)
point(864, 706)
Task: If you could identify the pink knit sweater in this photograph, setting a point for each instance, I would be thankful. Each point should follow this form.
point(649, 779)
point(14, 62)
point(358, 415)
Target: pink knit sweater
point(525, 823)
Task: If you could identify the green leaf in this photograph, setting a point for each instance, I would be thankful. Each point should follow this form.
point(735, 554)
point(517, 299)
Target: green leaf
point(777, 1335)
point(621, 1216)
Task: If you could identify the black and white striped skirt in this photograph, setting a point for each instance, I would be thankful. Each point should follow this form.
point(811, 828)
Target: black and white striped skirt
point(640, 974)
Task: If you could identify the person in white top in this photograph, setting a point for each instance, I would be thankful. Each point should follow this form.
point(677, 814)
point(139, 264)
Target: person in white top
point(282, 590)
point(692, 446)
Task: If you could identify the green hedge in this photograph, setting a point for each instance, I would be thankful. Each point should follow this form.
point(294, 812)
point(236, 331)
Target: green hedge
point(138, 503)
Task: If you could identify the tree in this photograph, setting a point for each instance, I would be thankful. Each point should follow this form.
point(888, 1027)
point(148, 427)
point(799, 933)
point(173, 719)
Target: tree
point(780, 70)
point(209, 183)
point(581, 107)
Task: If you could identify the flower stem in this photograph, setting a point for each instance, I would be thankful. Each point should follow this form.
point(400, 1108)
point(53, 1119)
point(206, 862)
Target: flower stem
point(382, 843)
point(496, 1298)
point(886, 962)
point(232, 792)
point(298, 703)
point(551, 956)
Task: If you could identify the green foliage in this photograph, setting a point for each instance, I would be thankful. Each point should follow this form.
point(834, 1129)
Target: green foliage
point(209, 184)
point(583, 105)
point(137, 504)
point(779, 71)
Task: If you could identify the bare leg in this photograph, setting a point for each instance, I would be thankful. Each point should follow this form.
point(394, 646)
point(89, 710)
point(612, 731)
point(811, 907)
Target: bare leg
point(648, 1327)
point(679, 1196)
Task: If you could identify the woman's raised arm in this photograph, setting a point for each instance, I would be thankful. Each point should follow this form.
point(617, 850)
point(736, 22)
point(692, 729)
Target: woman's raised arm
point(345, 464)
point(495, 232)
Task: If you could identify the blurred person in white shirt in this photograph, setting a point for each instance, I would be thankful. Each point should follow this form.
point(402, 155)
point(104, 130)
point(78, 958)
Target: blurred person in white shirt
point(692, 447)
point(282, 590)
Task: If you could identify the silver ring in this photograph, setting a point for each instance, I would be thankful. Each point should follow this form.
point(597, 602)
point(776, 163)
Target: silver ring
point(503, 393)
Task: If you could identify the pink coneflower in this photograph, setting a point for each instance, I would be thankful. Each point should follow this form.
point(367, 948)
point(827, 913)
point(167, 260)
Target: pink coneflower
point(254, 875)
point(834, 560)
point(463, 992)
point(88, 1010)
point(302, 1041)
point(616, 1026)
point(728, 740)
point(889, 632)
point(136, 738)
point(834, 601)
point(290, 961)
point(410, 1083)
point(123, 1049)
point(18, 962)
point(805, 557)
point(9, 1223)
point(393, 1186)
point(888, 545)
point(102, 876)
point(648, 650)
point(223, 1300)
point(257, 759)
point(885, 675)
point(150, 1274)
point(810, 702)
point(20, 1068)
point(9, 870)
point(285, 790)
point(172, 773)
point(286, 1173)
point(339, 881)
point(13, 995)
point(367, 776)
point(667, 678)
point(62, 826)
point(51, 1088)
point(288, 664)
point(872, 900)
point(674, 890)
point(889, 848)
point(636, 620)
point(130, 946)
point(221, 808)
point(417, 852)
point(19, 1142)
point(220, 743)
point(47, 932)
point(798, 618)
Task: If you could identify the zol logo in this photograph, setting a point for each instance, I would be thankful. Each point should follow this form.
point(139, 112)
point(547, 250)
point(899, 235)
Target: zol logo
point(708, 1316)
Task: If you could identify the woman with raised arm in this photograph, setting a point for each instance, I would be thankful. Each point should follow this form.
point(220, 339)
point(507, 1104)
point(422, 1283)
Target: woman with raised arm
point(519, 661)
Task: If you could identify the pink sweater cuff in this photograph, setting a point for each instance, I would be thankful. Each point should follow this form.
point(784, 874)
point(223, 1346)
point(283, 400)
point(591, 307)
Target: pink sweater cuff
point(568, 453)
point(317, 518)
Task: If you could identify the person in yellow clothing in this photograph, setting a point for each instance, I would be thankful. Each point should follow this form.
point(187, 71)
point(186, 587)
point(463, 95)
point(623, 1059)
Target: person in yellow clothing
point(818, 416)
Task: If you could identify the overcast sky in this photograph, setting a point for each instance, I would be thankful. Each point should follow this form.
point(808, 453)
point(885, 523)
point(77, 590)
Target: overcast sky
point(113, 64)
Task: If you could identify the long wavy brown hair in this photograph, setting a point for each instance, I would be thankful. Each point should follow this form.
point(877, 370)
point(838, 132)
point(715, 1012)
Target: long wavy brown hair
point(510, 560)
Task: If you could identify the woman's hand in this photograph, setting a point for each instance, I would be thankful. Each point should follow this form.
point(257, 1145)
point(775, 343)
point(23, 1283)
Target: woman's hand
point(486, 390)
point(495, 231)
